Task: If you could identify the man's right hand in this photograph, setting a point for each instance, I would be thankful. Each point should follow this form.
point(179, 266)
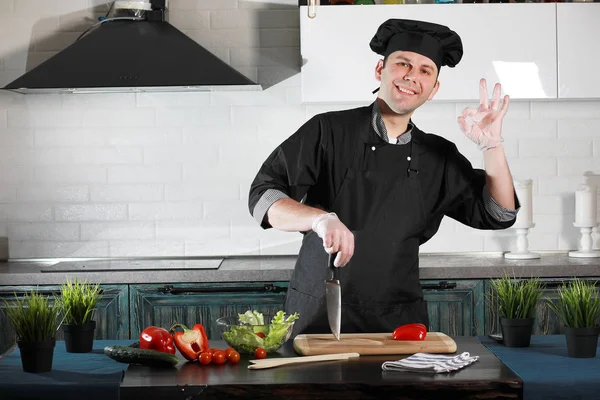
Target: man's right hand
point(337, 238)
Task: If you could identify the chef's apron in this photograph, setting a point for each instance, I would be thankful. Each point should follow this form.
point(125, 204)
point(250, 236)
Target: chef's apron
point(380, 202)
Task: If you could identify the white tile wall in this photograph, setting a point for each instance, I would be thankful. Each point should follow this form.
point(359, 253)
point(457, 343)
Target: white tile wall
point(135, 193)
point(168, 174)
point(44, 231)
point(3, 119)
point(118, 230)
point(52, 193)
point(90, 212)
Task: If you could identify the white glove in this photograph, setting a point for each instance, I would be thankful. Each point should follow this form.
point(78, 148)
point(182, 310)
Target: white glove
point(337, 238)
point(485, 125)
point(483, 141)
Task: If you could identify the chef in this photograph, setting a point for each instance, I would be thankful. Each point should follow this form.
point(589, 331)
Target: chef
point(369, 186)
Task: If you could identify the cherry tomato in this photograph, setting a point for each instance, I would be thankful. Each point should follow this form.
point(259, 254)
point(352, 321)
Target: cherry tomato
point(228, 351)
point(233, 357)
point(205, 357)
point(218, 357)
point(260, 334)
point(213, 350)
point(260, 353)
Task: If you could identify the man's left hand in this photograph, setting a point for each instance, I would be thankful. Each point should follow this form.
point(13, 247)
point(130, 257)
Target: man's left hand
point(486, 128)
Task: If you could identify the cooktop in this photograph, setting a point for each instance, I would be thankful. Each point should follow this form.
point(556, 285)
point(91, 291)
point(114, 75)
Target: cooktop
point(133, 265)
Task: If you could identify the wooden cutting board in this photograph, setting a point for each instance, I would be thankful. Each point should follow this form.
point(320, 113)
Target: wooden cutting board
point(371, 343)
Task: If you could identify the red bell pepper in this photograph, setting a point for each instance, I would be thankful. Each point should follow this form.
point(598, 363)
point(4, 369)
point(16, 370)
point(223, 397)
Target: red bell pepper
point(190, 342)
point(156, 338)
point(410, 332)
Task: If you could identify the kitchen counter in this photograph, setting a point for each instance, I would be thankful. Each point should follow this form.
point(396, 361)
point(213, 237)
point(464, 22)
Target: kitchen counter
point(279, 268)
point(360, 378)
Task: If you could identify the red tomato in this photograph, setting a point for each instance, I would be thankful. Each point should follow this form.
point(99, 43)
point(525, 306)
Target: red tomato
point(218, 357)
point(260, 353)
point(205, 357)
point(233, 357)
point(228, 351)
point(260, 334)
point(213, 350)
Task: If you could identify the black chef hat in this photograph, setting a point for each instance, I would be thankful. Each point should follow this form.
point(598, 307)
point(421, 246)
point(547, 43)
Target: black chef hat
point(437, 42)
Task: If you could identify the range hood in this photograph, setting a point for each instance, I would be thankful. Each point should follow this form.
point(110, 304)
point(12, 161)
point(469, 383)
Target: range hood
point(133, 54)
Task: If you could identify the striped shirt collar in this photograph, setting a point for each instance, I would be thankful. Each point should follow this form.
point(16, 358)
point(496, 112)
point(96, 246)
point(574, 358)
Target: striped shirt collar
point(379, 127)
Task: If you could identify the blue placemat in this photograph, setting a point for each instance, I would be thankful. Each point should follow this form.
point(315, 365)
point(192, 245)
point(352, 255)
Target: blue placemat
point(86, 376)
point(546, 370)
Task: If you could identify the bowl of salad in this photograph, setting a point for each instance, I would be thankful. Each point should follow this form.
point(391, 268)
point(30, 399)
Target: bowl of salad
point(252, 330)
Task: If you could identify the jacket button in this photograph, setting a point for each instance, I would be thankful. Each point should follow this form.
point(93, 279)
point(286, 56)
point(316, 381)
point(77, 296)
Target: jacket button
point(373, 148)
point(408, 158)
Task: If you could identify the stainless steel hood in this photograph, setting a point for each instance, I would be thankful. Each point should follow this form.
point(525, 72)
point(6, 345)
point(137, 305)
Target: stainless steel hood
point(132, 55)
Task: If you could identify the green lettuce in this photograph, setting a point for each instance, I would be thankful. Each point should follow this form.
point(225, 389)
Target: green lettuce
point(278, 329)
point(254, 318)
point(243, 338)
point(251, 318)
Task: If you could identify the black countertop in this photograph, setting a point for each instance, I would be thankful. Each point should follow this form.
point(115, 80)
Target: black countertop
point(360, 378)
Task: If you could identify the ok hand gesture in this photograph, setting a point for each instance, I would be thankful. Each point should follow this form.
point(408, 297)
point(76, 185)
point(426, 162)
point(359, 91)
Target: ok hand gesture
point(486, 127)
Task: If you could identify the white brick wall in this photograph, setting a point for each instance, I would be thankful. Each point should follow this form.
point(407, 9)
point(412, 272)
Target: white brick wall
point(167, 174)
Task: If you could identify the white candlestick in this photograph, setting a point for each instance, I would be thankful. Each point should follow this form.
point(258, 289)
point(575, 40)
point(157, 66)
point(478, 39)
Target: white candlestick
point(585, 248)
point(524, 194)
point(522, 252)
point(585, 206)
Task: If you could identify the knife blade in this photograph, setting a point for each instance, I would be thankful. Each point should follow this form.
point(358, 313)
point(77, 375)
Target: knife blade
point(333, 296)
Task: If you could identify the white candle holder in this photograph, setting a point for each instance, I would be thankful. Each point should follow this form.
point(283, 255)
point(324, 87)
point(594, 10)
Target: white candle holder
point(522, 252)
point(585, 250)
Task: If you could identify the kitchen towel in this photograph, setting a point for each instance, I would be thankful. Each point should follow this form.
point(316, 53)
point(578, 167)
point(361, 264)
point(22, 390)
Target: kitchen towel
point(87, 376)
point(433, 363)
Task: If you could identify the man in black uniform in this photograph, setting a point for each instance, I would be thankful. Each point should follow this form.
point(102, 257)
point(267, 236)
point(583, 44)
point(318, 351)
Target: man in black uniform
point(368, 185)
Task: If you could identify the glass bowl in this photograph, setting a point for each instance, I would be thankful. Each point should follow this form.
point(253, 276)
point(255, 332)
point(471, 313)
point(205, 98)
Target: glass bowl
point(245, 338)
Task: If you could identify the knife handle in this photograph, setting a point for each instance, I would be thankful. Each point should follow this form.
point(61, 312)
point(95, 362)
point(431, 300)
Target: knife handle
point(335, 271)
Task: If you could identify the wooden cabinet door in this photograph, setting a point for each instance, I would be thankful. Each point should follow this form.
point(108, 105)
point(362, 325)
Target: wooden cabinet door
point(455, 308)
point(192, 303)
point(112, 314)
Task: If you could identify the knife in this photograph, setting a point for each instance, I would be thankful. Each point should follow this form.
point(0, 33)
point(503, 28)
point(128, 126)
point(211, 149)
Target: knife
point(333, 295)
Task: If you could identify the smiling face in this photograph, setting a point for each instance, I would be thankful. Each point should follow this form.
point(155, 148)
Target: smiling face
point(407, 81)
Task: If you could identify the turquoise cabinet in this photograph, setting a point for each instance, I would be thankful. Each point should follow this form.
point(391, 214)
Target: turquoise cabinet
point(455, 307)
point(112, 314)
point(193, 303)
point(546, 322)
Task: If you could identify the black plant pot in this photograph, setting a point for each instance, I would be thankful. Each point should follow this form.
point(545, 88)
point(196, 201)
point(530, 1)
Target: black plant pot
point(582, 342)
point(37, 356)
point(516, 332)
point(79, 338)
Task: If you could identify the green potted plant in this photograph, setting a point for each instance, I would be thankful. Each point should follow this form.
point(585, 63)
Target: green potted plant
point(35, 323)
point(78, 302)
point(578, 307)
point(517, 301)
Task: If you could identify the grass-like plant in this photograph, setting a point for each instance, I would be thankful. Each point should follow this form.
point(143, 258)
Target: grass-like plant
point(78, 301)
point(578, 304)
point(33, 318)
point(517, 299)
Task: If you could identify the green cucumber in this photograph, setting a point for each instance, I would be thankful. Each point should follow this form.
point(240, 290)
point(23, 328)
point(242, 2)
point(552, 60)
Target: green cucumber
point(131, 355)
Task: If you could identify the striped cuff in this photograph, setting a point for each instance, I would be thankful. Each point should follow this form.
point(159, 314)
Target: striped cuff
point(498, 212)
point(269, 197)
